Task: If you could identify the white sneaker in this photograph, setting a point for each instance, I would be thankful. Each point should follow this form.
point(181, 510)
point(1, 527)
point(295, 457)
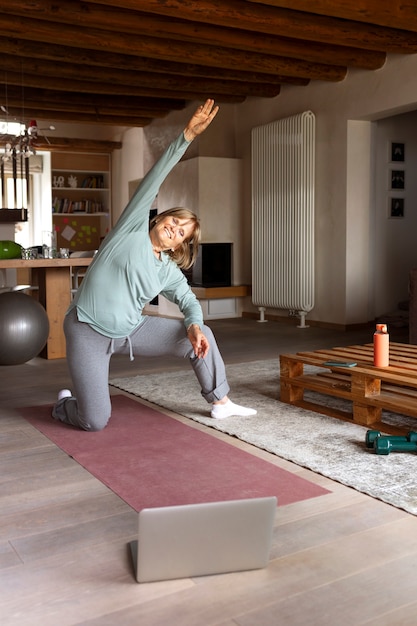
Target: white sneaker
point(229, 409)
point(64, 393)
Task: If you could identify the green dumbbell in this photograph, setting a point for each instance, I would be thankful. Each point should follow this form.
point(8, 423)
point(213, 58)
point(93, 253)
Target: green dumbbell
point(373, 435)
point(387, 444)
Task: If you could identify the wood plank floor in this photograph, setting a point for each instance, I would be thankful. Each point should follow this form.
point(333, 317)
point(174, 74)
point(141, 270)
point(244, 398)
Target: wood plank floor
point(343, 558)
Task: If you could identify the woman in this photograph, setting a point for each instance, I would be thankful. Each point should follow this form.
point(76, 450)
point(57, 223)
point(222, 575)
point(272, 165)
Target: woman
point(136, 262)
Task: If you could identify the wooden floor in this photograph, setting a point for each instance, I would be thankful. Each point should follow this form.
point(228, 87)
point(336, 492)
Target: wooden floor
point(343, 558)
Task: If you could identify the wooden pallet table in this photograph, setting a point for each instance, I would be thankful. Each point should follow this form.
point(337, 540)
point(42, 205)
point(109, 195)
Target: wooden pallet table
point(369, 389)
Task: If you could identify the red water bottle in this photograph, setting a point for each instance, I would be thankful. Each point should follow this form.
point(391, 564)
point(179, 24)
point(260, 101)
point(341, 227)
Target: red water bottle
point(381, 346)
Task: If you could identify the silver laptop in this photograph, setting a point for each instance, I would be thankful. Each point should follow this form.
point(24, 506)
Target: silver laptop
point(202, 539)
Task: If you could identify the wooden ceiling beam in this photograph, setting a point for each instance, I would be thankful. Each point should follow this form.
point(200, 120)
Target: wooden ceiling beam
point(58, 144)
point(271, 20)
point(51, 98)
point(80, 57)
point(60, 106)
point(80, 116)
point(86, 15)
point(46, 104)
point(89, 79)
point(390, 13)
point(93, 108)
point(96, 39)
point(95, 61)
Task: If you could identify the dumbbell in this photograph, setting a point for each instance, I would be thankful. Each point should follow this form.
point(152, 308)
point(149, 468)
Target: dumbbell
point(384, 444)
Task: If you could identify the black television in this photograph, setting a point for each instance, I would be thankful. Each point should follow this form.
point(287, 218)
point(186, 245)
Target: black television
point(213, 267)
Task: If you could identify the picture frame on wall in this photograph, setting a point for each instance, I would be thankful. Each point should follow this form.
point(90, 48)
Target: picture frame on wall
point(397, 152)
point(397, 179)
point(396, 208)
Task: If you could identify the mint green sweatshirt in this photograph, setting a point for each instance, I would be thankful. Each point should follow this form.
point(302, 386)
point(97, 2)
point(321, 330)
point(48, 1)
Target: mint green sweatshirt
point(125, 274)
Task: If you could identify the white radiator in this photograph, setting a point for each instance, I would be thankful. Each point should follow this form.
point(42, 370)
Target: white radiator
point(283, 158)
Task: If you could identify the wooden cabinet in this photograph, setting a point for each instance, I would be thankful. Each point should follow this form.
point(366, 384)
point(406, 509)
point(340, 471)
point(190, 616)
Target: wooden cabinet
point(81, 199)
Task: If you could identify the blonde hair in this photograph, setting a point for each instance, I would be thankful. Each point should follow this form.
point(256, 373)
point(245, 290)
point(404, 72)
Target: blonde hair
point(186, 254)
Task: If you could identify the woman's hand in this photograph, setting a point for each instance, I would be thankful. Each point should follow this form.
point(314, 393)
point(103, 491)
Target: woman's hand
point(201, 119)
point(198, 341)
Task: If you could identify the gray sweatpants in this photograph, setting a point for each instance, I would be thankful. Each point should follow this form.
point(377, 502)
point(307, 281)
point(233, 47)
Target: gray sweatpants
point(88, 357)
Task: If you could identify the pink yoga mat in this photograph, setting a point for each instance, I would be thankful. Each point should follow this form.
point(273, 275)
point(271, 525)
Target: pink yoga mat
point(151, 460)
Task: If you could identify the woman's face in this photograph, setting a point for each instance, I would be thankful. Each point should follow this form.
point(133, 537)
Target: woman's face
point(170, 231)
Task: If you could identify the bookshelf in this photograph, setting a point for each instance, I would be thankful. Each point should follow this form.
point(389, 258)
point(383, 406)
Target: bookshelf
point(81, 199)
point(87, 194)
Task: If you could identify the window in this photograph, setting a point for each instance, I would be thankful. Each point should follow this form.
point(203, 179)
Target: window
point(11, 128)
point(15, 198)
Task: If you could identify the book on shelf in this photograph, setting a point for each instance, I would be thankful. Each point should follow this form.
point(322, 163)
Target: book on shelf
point(95, 181)
point(66, 205)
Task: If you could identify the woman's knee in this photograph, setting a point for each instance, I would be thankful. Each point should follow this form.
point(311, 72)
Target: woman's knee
point(96, 422)
point(94, 418)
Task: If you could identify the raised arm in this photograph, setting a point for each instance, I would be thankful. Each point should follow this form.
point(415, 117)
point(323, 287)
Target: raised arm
point(136, 212)
point(202, 118)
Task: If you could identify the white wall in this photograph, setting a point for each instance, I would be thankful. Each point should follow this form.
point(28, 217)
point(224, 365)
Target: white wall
point(127, 165)
point(359, 275)
point(348, 257)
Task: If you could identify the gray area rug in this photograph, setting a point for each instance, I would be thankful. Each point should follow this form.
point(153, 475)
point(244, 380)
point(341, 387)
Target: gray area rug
point(328, 446)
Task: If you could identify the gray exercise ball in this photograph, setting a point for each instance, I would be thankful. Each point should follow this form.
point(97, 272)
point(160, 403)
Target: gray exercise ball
point(24, 328)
